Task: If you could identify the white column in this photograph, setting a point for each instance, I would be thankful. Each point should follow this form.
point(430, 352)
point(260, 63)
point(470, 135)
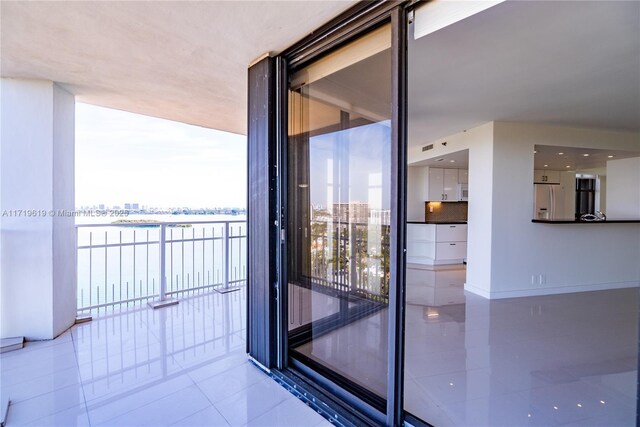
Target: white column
point(37, 253)
point(480, 214)
point(623, 188)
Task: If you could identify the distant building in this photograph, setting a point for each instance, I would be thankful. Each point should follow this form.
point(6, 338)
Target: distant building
point(380, 216)
point(353, 212)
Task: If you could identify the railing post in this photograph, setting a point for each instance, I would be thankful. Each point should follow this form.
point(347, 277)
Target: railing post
point(227, 261)
point(163, 261)
point(226, 255)
point(163, 301)
point(353, 256)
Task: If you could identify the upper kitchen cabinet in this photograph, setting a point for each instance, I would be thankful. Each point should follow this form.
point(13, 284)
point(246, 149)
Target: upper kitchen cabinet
point(442, 185)
point(435, 185)
point(542, 176)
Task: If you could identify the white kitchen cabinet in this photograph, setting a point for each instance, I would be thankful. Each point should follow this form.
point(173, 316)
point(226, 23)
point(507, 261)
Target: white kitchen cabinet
point(450, 188)
point(451, 232)
point(435, 185)
point(463, 176)
point(433, 244)
point(451, 251)
point(442, 185)
point(546, 177)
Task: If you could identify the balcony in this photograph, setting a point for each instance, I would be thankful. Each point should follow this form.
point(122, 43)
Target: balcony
point(132, 365)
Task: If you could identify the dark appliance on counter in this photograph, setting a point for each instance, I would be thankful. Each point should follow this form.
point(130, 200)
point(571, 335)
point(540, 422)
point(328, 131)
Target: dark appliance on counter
point(585, 197)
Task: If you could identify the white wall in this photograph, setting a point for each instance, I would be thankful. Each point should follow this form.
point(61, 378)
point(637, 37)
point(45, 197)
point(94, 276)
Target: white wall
point(566, 258)
point(479, 142)
point(416, 190)
point(64, 232)
point(568, 186)
point(480, 213)
point(505, 249)
point(623, 188)
point(37, 268)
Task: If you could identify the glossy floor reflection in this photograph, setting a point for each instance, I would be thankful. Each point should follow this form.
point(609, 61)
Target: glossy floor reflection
point(183, 365)
point(566, 359)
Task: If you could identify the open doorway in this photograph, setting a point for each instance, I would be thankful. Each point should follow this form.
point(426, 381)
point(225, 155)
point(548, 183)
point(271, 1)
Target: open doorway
point(510, 104)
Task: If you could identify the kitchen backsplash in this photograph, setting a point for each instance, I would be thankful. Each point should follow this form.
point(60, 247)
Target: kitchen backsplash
point(445, 211)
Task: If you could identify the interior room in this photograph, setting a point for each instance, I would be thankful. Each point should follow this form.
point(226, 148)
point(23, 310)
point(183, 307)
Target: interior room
point(522, 208)
point(523, 170)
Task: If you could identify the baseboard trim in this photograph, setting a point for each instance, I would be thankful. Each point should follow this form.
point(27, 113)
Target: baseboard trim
point(11, 344)
point(477, 291)
point(532, 292)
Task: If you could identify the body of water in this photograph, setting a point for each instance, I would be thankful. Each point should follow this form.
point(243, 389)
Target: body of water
point(128, 267)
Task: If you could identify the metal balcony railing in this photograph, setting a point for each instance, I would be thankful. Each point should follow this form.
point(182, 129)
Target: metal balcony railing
point(350, 257)
point(119, 264)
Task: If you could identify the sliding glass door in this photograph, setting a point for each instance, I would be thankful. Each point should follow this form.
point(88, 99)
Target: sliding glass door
point(338, 212)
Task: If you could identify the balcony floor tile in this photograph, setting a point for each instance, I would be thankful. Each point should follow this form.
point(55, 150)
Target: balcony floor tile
point(184, 365)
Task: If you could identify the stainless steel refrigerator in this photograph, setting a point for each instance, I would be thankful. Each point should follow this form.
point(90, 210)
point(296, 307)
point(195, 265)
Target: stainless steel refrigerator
point(549, 201)
point(585, 196)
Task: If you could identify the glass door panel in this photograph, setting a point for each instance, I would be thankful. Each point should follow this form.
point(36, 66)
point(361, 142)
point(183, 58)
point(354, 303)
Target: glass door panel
point(339, 152)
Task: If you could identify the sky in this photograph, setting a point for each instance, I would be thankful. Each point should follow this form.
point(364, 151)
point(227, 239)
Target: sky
point(123, 157)
point(365, 154)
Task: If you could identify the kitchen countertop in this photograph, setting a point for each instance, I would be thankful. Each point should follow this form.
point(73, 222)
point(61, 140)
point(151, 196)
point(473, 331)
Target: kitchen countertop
point(573, 221)
point(436, 222)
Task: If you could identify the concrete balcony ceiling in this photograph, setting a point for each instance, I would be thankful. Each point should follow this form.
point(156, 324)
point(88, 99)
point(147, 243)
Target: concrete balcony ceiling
point(178, 60)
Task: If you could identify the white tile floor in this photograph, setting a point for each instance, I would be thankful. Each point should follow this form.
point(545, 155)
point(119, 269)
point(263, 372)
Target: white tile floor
point(553, 360)
point(566, 359)
point(183, 365)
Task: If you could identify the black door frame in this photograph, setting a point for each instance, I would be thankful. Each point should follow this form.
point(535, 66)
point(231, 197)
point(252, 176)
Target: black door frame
point(318, 390)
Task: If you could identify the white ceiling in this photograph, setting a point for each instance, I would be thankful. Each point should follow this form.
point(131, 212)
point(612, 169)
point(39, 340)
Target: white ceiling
point(563, 63)
point(179, 60)
point(558, 158)
point(546, 157)
point(455, 160)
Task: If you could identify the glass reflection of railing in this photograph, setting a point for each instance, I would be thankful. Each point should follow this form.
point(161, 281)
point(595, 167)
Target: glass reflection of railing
point(351, 257)
point(119, 263)
point(121, 355)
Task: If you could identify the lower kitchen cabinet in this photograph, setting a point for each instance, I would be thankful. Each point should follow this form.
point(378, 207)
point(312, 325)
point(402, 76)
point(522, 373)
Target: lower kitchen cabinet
point(436, 244)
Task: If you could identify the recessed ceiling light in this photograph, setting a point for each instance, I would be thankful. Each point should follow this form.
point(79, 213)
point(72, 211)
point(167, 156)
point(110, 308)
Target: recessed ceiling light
point(611, 157)
point(546, 166)
point(568, 166)
point(586, 155)
point(452, 161)
point(560, 154)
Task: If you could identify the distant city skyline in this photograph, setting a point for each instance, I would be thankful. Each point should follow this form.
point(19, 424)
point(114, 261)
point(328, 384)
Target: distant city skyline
point(123, 157)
